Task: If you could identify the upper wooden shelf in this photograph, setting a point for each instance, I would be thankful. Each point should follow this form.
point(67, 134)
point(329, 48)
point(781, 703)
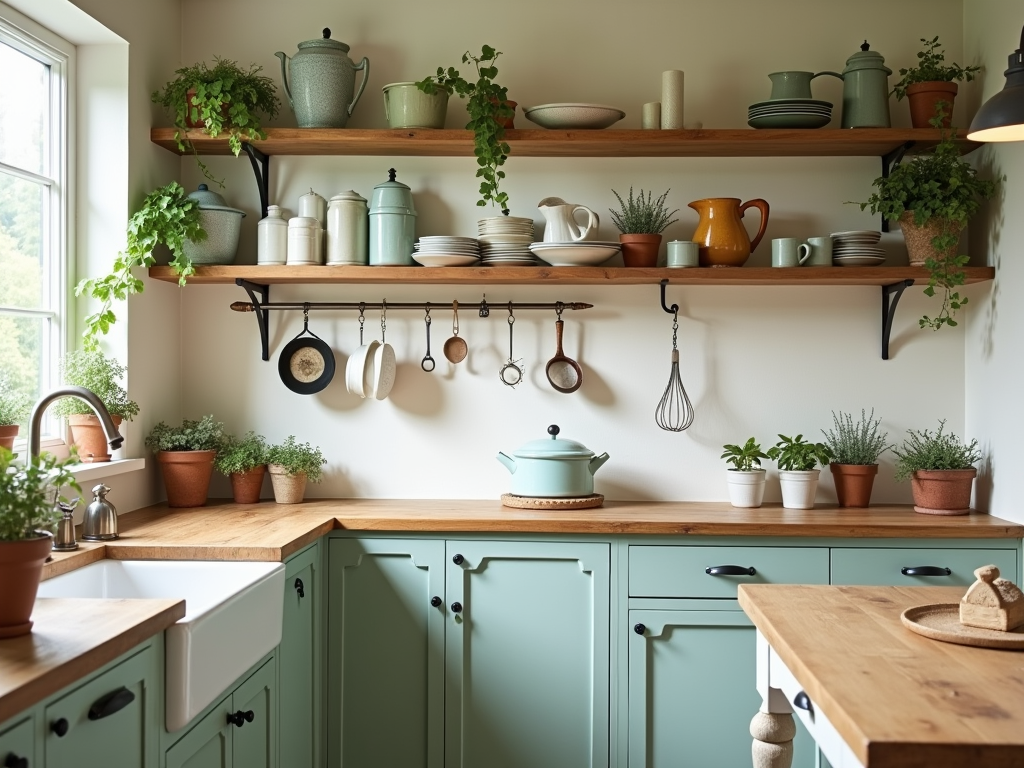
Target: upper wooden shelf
point(744, 142)
point(309, 275)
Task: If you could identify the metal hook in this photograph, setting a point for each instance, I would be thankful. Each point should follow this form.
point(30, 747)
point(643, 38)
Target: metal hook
point(674, 309)
point(305, 317)
point(485, 310)
point(383, 319)
point(559, 308)
point(426, 307)
point(511, 317)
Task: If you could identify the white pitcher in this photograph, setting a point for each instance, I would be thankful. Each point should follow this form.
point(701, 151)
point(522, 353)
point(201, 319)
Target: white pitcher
point(562, 226)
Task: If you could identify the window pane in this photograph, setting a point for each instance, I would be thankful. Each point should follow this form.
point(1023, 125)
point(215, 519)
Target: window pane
point(22, 242)
point(23, 351)
point(24, 110)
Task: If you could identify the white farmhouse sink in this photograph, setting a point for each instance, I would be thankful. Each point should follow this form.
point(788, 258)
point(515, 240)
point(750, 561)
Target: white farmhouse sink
point(233, 617)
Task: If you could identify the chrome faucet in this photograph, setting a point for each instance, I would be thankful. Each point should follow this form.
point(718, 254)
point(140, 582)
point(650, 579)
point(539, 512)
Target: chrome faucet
point(89, 398)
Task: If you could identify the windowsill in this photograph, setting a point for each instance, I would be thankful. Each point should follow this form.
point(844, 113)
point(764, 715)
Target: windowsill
point(85, 473)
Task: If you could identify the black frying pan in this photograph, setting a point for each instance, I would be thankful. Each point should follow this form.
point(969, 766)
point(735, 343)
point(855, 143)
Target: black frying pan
point(306, 364)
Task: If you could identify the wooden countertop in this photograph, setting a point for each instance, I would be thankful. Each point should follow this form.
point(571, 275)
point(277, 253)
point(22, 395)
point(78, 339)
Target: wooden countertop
point(72, 638)
point(899, 700)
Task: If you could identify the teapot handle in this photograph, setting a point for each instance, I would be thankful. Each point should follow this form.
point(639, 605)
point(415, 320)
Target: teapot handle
point(827, 72)
point(365, 66)
point(762, 206)
point(284, 76)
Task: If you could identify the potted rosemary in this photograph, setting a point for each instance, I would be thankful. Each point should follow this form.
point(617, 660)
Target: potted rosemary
point(641, 221)
point(797, 460)
point(186, 454)
point(745, 478)
point(941, 470)
point(931, 85)
point(855, 448)
point(244, 460)
point(291, 464)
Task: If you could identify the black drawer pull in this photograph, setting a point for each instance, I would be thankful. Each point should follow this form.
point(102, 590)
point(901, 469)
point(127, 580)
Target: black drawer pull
point(730, 570)
point(13, 761)
point(803, 701)
point(926, 570)
point(113, 702)
point(300, 588)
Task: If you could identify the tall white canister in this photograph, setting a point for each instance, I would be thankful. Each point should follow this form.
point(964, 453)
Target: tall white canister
point(305, 241)
point(347, 229)
point(272, 237)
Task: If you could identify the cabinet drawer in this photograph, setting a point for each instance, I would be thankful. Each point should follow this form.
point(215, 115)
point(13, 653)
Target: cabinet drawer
point(683, 571)
point(18, 743)
point(884, 567)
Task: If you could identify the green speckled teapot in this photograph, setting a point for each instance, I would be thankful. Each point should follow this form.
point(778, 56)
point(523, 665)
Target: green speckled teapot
point(322, 82)
point(553, 468)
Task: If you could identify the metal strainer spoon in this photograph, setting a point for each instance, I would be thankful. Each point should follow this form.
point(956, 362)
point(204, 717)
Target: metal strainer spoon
point(564, 373)
point(674, 413)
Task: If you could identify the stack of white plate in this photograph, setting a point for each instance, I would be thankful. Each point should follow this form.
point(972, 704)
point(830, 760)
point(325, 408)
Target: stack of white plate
point(857, 248)
point(789, 113)
point(581, 253)
point(446, 251)
point(505, 241)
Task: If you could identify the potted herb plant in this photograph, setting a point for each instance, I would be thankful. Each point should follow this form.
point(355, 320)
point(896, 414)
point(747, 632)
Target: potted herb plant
point(93, 370)
point(941, 470)
point(855, 448)
point(27, 520)
point(291, 465)
point(222, 99)
point(186, 454)
point(641, 221)
point(931, 85)
point(745, 478)
point(797, 460)
point(244, 460)
point(490, 112)
point(14, 409)
point(933, 196)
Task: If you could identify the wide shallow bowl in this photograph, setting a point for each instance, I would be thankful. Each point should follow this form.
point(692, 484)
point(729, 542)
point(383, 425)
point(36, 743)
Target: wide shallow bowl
point(574, 255)
point(588, 116)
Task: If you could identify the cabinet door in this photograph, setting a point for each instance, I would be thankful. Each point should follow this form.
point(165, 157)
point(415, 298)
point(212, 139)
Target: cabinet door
point(692, 690)
point(111, 720)
point(298, 662)
point(254, 742)
point(386, 654)
point(527, 655)
point(18, 743)
point(207, 744)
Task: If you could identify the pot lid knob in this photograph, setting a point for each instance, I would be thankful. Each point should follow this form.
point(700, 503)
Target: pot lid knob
point(327, 33)
point(391, 174)
point(553, 430)
point(864, 46)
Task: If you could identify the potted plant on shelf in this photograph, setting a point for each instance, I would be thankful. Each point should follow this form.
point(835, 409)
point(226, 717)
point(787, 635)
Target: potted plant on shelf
point(933, 196)
point(931, 85)
point(244, 460)
point(855, 448)
point(745, 479)
point(941, 470)
point(222, 99)
point(186, 454)
point(797, 460)
point(490, 113)
point(291, 464)
point(93, 370)
point(27, 519)
point(641, 221)
point(14, 409)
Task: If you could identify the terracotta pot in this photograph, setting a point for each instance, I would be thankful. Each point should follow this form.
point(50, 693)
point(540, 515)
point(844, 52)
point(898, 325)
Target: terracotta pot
point(8, 433)
point(853, 483)
point(246, 486)
point(924, 99)
point(21, 568)
point(943, 491)
point(288, 489)
point(200, 124)
point(88, 437)
point(640, 250)
point(919, 238)
point(508, 121)
point(186, 476)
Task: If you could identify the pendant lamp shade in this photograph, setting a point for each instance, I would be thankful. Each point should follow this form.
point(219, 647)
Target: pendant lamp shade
point(1001, 118)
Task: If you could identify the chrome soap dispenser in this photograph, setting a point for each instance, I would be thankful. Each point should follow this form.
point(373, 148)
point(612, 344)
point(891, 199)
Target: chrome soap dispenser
point(100, 522)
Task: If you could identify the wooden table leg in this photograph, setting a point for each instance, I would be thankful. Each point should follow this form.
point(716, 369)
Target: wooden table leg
point(772, 728)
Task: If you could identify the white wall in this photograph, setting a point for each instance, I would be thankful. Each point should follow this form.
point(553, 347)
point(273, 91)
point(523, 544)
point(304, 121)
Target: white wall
point(993, 364)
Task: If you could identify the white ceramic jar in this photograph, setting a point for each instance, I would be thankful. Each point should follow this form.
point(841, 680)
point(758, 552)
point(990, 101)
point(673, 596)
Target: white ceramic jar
point(305, 241)
point(272, 237)
point(313, 206)
point(347, 230)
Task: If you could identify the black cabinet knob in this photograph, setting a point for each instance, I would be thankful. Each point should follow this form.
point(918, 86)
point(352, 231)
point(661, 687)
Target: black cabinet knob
point(458, 559)
point(925, 570)
point(249, 716)
point(456, 607)
point(300, 588)
point(236, 719)
point(803, 701)
point(13, 761)
point(639, 628)
point(60, 727)
point(436, 601)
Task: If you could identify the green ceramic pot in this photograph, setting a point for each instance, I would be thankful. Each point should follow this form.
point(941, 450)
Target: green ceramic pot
point(553, 468)
point(406, 106)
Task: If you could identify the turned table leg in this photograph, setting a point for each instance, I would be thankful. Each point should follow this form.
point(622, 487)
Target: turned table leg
point(772, 728)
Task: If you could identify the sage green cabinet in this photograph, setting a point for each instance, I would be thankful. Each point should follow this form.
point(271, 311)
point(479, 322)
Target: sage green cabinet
point(299, 662)
point(883, 566)
point(207, 744)
point(17, 744)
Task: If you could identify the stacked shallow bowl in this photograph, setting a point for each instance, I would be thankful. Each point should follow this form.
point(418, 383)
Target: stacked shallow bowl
point(505, 241)
point(857, 248)
point(789, 113)
point(446, 251)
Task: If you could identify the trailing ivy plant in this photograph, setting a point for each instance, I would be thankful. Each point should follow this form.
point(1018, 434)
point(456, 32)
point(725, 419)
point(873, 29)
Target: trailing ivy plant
point(93, 370)
point(642, 215)
point(934, 450)
point(203, 435)
point(931, 67)
point(794, 454)
point(855, 442)
point(27, 503)
point(744, 457)
point(486, 102)
point(298, 458)
point(936, 186)
point(169, 217)
point(244, 454)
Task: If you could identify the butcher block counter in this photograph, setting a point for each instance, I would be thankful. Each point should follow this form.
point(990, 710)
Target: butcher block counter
point(895, 698)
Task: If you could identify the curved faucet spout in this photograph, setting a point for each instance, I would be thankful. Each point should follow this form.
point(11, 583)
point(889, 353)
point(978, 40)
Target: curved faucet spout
point(114, 438)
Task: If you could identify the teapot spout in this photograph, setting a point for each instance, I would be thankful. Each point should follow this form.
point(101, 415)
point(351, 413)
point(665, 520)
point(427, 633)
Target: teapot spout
point(597, 462)
point(284, 76)
point(509, 462)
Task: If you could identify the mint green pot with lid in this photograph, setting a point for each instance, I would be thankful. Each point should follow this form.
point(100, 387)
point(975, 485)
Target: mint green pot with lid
point(866, 90)
point(553, 468)
point(320, 82)
point(222, 224)
point(392, 224)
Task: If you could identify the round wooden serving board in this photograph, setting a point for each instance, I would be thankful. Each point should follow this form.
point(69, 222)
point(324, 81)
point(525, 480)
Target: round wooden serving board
point(941, 621)
point(531, 502)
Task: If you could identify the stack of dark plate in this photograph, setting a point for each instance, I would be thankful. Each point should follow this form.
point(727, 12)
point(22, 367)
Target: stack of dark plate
point(789, 113)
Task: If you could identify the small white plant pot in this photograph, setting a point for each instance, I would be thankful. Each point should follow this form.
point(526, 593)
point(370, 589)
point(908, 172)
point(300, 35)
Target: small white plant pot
point(799, 488)
point(746, 487)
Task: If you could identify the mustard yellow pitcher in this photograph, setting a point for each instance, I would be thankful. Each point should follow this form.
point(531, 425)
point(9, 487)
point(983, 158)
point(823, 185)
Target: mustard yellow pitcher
point(723, 241)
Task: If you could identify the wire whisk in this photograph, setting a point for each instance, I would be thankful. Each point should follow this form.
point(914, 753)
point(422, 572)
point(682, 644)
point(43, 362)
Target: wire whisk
point(674, 412)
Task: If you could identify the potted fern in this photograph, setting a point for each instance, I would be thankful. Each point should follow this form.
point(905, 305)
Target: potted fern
point(291, 465)
point(931, 85)
point(186, 454)
point(641, 221)
point(14, 409)
point(855, 448)
point(798, 476)
point(745, 479)
point(941, 470)
point(244, 460)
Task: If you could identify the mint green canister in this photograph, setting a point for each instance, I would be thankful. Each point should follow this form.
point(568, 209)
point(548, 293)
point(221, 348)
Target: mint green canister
point(553, 468)
point(392, 224)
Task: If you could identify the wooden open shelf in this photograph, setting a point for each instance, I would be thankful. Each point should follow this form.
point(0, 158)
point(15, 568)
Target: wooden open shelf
point(743, 142)
point(310, 275)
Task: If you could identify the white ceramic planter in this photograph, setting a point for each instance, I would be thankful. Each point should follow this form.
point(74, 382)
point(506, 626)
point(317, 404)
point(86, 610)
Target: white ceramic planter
point(746, 488)
point(799, 488)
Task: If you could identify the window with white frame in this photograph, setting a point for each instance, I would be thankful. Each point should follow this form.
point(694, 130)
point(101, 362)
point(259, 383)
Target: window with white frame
point(35, 72)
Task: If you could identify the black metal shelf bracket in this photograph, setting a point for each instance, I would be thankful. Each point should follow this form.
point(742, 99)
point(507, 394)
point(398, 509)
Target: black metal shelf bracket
point(674, 309)
point(889, 161)
point(261, 170)
point(262, 315)
point(890, 298)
